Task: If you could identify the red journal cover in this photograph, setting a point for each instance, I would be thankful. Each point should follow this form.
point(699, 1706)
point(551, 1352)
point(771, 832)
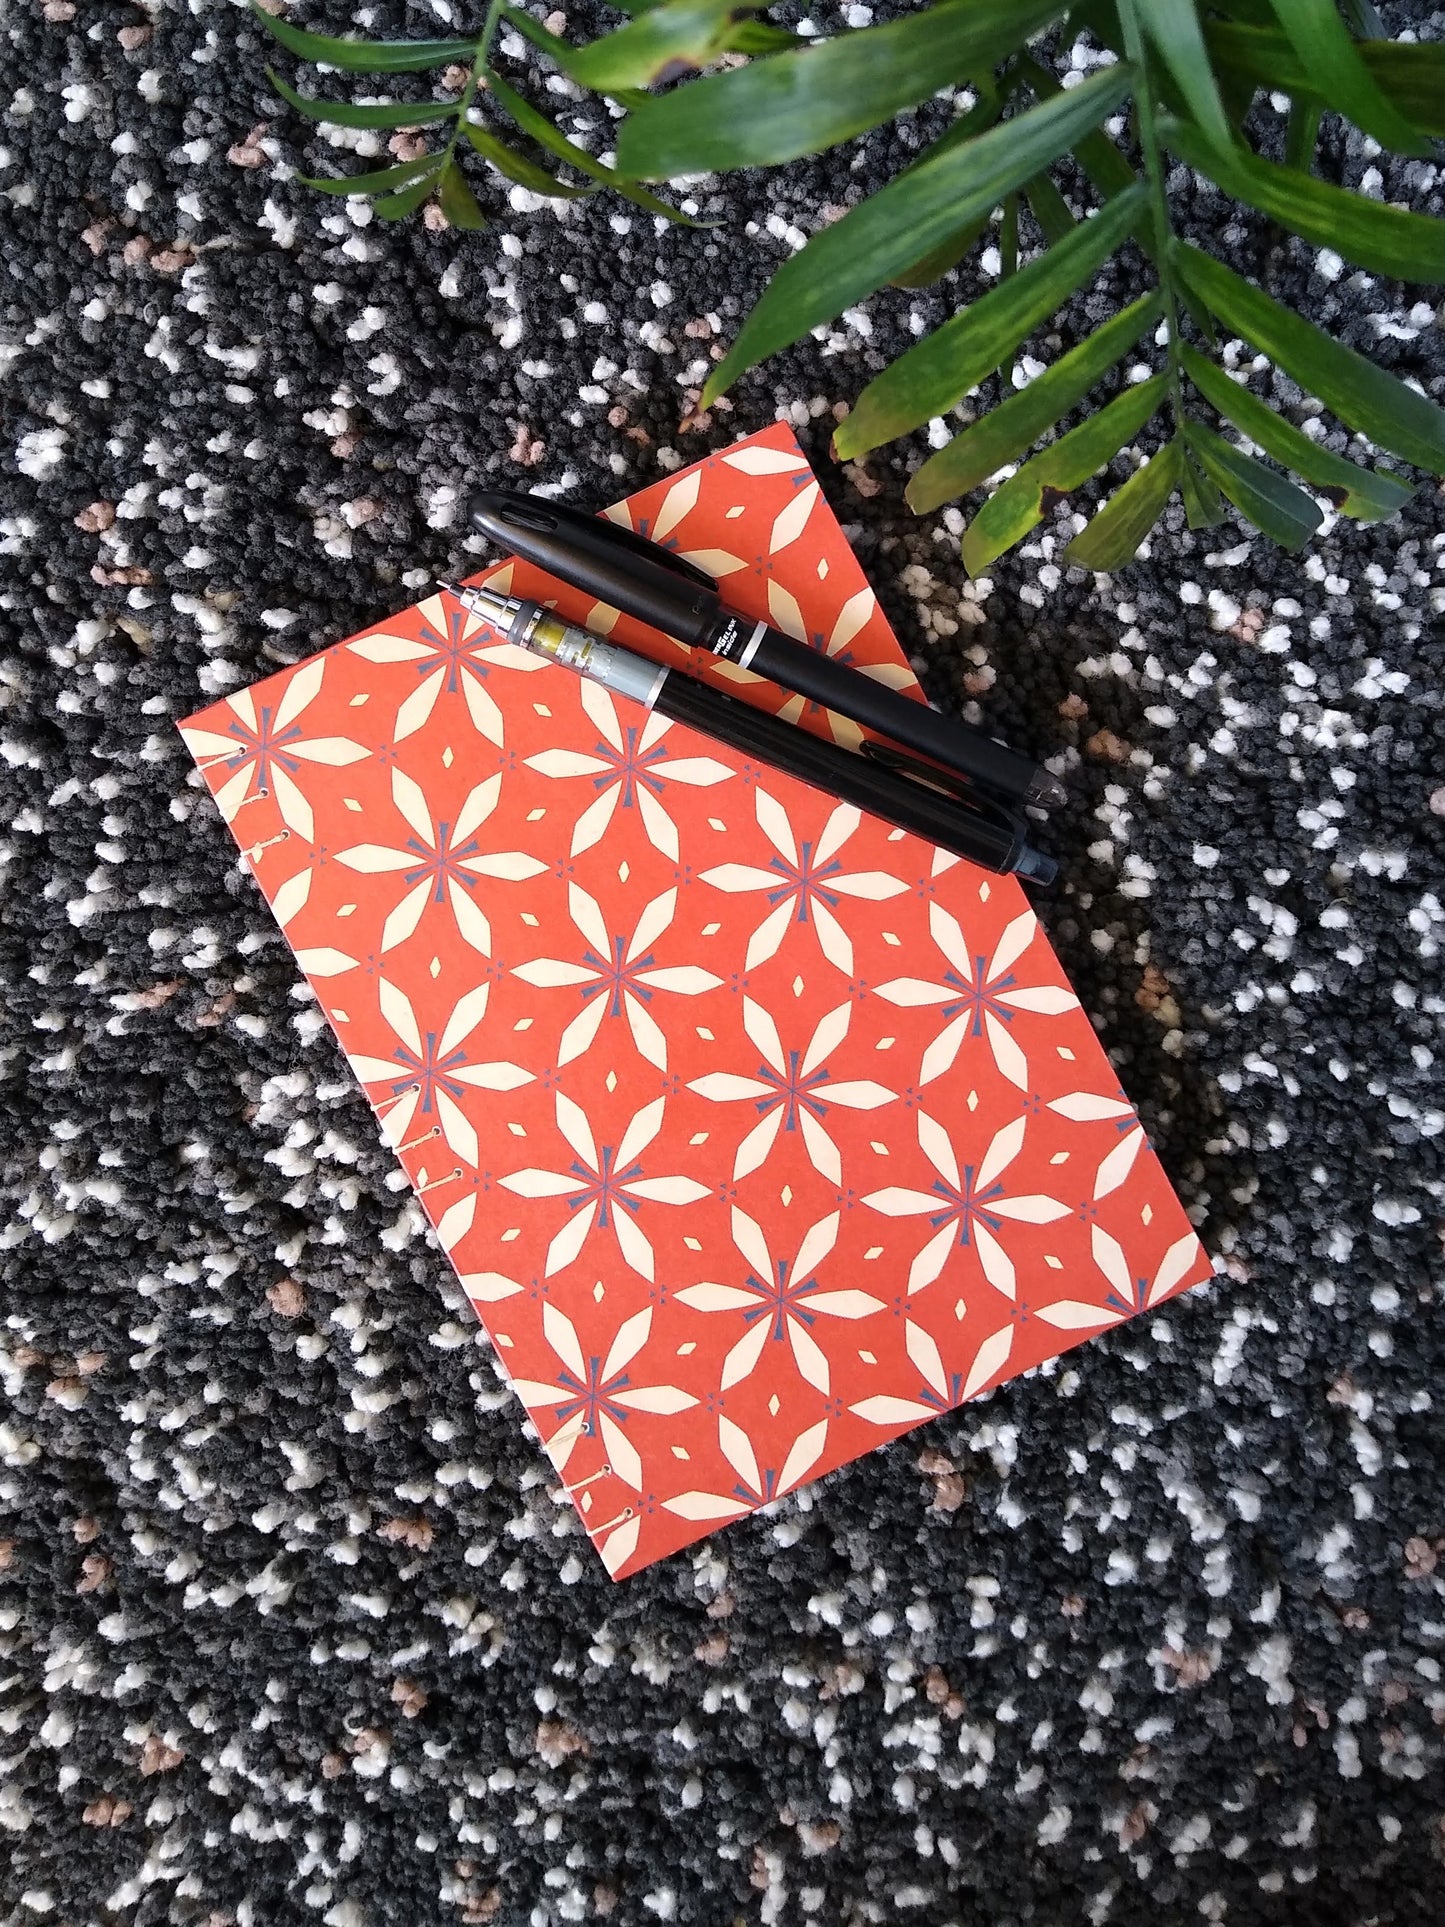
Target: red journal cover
point(758, 1131)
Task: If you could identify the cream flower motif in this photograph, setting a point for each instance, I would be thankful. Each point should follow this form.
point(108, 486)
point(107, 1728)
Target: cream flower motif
point(780, 1300)
point(440, 862)
point(806, 886)
point(593, 1396)
point(756, 1485)
point(941, 1390)
point(630, 768)
point(448, 655)
point(792, 1091)
point(606, 1186)
point(1087, 1107)
point(677, 504)
point(792, 519)
point(617, 975)
point(269, 747)
point(618, 1547)
point(428, 1074)
point(980, 996)
point(765, 461)
point(970, 1206)
point(321, 960)
point(1128, 1294)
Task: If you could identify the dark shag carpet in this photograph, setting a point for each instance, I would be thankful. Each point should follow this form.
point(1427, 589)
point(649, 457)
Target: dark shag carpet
point(297, 1625)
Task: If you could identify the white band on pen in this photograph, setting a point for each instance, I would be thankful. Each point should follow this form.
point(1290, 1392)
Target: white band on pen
point(750, 647)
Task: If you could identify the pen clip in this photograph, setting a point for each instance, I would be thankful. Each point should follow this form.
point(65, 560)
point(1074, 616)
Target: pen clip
point(510, 509)
point(917, 769)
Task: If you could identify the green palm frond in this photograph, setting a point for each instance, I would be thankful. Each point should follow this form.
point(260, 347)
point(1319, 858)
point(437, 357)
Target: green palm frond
point(1173, 81)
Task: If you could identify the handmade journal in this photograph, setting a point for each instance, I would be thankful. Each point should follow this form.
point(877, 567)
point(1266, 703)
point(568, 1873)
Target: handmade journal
point(758, 1131)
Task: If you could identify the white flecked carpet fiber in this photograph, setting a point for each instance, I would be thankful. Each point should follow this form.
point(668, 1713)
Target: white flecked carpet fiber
point(297, 1625)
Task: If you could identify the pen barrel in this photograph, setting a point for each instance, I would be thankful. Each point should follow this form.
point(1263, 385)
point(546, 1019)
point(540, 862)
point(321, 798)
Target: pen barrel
point(852, 692)
point(626, 570)
point(604, 559)
point(998, 844)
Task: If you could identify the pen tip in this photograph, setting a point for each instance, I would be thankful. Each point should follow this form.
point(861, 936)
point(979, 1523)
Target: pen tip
point(1046, 792)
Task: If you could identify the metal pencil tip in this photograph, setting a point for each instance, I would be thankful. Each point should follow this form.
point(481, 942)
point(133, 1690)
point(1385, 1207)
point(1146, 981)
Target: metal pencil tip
point(483, 601)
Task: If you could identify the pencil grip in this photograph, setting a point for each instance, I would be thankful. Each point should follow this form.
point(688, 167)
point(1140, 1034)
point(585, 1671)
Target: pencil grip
point(850, 692)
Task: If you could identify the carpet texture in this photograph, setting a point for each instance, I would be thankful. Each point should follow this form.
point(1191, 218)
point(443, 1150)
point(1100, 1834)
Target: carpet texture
point(297, 1624)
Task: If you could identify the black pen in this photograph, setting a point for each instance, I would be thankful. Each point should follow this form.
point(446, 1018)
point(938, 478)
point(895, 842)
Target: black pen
point(642, 579)
point(993, 838)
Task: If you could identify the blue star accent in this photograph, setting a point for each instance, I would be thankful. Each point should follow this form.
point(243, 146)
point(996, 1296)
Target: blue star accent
point(631, 764)
point(779, 1300)
point(443, 864)
point(617, 976)
point(265, 746)
point(967, 1205)
point(456, 653)
point(793, 1088)
point(593, 1396)
point(600, 1187)
point(805, 877)
point(981, 997)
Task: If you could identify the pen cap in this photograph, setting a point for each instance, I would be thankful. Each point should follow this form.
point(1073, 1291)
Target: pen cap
point(605, 560)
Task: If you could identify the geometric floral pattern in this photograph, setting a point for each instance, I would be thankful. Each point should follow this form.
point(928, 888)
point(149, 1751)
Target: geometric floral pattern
point(757, 1130)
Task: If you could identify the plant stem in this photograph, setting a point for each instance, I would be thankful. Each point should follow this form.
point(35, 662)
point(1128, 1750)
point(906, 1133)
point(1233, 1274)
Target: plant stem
point(1154, 172)
point(1008, 238)
point(1302, 133)
point(1008, 258)
point(479, 65)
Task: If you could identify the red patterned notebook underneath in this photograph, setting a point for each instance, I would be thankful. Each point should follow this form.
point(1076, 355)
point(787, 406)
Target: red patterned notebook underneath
point(757, 1131)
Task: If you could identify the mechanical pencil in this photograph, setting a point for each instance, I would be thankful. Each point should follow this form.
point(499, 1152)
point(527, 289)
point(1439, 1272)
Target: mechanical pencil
point(643, 579)
point(992, 837)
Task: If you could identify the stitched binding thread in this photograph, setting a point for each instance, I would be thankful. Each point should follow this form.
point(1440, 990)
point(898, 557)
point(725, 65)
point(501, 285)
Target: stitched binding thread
point(266, 843)
point(607, 1524)
point(602, 1472)
point(387, 1102)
